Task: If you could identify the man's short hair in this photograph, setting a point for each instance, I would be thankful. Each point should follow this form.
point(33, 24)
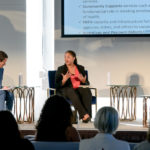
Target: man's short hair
point(3, 55)
point(106, 120)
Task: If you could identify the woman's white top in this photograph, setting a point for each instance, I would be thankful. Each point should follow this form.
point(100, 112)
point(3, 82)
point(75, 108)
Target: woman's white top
point(143, 146)
point(103, 141)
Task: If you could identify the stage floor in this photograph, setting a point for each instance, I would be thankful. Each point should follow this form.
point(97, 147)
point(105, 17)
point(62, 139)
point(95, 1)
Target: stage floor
point(123, 126)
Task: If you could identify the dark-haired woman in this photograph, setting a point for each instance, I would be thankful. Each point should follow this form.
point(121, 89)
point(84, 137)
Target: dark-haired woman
point(68, 79)
point(55, 122)
point(10, 137)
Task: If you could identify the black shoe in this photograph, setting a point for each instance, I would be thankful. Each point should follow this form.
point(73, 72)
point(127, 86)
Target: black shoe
point(87, 120)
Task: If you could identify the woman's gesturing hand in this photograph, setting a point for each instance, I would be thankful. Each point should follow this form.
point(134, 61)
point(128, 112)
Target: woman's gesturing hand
point(65, 77)
point(82, 78)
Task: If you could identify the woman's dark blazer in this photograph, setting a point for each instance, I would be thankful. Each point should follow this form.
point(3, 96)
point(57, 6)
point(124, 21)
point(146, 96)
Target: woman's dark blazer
point(63, 70)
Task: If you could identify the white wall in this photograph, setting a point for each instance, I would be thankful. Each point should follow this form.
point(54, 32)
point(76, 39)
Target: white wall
point(48, 34)
point(40, 48)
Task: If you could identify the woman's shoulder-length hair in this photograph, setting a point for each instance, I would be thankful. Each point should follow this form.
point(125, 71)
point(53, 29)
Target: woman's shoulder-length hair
point(106, 120)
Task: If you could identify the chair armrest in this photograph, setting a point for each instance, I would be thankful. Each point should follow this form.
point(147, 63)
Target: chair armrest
point(50, 89)
point(95, 90)
point(53, 89)
point(87, 86)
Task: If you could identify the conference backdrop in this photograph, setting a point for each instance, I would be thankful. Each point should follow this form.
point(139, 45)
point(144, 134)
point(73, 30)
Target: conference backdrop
point(126, 59)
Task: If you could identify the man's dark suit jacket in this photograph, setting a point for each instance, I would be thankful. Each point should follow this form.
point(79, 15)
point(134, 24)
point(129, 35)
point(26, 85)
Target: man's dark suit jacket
point(63, 70)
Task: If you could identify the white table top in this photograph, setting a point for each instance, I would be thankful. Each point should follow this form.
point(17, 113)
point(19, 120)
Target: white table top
point(145, 96)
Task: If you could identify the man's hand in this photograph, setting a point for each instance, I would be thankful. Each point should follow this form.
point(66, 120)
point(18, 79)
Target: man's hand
point(5, 88)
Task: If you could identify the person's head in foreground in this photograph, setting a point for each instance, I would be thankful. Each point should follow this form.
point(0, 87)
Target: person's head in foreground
point(8, 124)
point(55, 118)
point(9, 133)
point(106, 121)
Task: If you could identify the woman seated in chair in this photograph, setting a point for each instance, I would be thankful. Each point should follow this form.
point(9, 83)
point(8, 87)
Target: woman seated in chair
point(68, 81)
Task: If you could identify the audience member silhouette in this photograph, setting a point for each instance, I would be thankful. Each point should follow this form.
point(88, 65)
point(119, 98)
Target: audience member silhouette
point(10, 137)
point(55, 122)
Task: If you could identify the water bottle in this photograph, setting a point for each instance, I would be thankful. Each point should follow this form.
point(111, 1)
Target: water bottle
point(20, 80)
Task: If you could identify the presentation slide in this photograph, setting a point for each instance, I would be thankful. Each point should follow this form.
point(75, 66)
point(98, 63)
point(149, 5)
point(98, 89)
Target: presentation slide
point(106, 17)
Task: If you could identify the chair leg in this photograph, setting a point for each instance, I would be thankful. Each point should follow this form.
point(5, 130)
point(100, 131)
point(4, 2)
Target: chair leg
point(95, 108)
point(75, 117)
point(78, 120)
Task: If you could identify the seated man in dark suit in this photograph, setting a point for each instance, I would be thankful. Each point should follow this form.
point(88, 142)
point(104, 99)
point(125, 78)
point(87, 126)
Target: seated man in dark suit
point(5, 94)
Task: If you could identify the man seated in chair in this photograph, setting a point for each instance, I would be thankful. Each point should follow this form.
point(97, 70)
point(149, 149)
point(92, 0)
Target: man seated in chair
point(5, 94)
